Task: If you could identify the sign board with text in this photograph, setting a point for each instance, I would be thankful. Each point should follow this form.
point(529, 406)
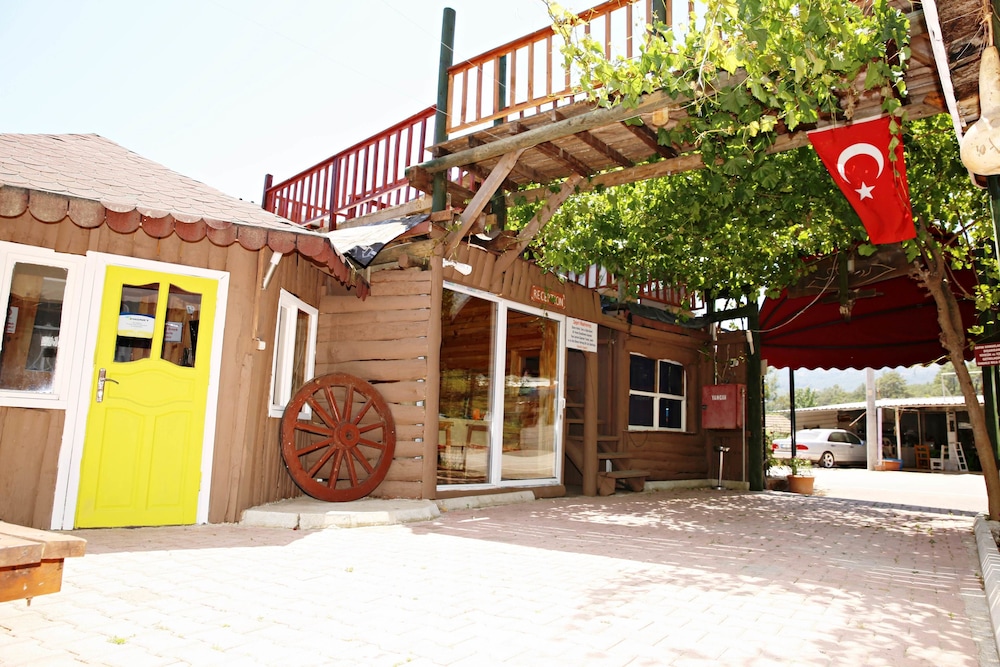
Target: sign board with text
point(581, 335)
point(988, 354)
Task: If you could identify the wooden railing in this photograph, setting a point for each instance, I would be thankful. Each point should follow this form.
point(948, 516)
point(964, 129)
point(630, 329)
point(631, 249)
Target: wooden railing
point(365, 178)
point(600, 279)
point(529, 76)
point(522, 77)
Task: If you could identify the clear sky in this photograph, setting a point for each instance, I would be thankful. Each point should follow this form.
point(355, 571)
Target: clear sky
point(226, 91)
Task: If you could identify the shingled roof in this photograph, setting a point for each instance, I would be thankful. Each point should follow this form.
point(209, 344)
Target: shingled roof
point(95, 181)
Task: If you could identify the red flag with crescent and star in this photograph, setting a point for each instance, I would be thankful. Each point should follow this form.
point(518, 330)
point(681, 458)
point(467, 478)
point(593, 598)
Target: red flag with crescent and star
point(857, 156)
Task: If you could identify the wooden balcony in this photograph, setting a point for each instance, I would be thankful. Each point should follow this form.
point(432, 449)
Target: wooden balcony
point(518, 108)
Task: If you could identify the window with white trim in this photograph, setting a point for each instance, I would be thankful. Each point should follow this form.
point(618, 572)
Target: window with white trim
point(40, 291)
point(294, 350)
point(657, 394)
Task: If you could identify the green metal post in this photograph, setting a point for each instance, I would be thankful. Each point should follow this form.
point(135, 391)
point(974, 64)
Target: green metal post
point(755, 402)
point(439, 197)
point(498, 205)
point(659, 11)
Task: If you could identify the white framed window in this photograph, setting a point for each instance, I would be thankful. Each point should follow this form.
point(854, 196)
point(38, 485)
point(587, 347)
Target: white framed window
point(657, 397)
point(294, 350)
point(40, 291)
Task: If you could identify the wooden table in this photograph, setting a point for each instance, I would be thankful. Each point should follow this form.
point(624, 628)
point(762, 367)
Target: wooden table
point(31, 560)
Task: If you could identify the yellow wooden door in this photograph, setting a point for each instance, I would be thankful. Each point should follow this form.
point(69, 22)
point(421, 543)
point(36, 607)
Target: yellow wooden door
point(142, 452)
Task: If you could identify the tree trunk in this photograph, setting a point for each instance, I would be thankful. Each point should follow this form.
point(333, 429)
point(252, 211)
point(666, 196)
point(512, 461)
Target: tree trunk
point(933, 276)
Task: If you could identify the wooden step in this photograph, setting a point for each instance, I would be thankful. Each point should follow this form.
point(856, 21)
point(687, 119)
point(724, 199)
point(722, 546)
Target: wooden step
point(627, 474)
point(573, 421)
point(634, 480)
point(614, 455)
point(576, 437)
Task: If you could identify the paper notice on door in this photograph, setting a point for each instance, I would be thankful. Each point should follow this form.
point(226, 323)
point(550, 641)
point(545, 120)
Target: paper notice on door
point(132, 325)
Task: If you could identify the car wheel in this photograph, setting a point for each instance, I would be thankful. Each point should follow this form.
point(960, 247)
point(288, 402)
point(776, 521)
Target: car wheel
point(827, 460)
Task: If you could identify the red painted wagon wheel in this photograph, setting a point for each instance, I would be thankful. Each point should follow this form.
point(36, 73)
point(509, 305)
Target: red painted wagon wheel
point(337, 437)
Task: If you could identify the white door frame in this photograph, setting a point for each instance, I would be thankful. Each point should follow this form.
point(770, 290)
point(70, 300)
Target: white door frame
point(74, 429)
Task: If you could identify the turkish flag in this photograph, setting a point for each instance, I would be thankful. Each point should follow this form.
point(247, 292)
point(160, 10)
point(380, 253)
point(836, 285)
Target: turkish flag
point(857, 156)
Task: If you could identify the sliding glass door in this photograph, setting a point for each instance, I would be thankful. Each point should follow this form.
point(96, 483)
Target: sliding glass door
point(499, 417)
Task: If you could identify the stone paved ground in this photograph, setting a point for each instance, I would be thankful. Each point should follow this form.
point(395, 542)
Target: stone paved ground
point(692, 577)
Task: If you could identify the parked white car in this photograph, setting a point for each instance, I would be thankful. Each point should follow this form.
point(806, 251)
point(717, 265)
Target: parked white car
point(826, 447)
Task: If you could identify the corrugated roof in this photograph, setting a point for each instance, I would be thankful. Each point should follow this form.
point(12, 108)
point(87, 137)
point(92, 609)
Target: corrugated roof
point(912, 402)
point(95, 181)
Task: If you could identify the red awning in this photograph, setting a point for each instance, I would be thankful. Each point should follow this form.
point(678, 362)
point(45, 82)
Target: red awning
point(894, 324)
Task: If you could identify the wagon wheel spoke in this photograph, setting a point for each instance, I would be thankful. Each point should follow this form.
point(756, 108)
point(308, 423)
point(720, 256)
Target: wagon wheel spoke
point(332, 453)
point(371, 443)
point(363, 461)
point(318, 409)
point(314, 447)
point(313, 471)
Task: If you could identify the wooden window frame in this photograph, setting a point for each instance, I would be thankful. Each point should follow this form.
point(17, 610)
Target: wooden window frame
point(71, 321)
point(657, 395)
point(283, 362)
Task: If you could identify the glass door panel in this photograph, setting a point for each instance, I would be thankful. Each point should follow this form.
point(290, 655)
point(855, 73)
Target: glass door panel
point(464, 420)
point(136, 322)
point(180, 334)
point(530, 390)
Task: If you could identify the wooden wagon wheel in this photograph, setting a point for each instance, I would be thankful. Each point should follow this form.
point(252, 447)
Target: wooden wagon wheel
point(337, 437)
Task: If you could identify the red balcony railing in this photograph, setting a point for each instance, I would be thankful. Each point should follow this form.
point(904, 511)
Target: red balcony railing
point(370, 176)
point(365, 178)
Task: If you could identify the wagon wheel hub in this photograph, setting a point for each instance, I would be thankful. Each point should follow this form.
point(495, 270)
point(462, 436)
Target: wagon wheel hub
point(347, 435)
point(337, 437)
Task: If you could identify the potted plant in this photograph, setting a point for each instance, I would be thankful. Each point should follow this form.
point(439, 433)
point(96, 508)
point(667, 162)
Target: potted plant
point(775, 479)
point(800, 476)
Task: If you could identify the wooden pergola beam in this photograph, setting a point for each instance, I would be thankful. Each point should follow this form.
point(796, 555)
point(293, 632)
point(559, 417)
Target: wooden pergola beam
point(519, 168)
point(676, 165)
point(481, 199)
point(650, 138)
point(587, 121)
point(558, 154)
point(595, 143)
point(541, 217)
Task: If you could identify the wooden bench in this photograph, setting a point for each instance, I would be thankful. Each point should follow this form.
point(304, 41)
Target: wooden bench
point(31, 560)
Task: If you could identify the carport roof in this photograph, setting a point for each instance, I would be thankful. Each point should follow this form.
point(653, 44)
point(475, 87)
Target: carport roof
point(900, 403)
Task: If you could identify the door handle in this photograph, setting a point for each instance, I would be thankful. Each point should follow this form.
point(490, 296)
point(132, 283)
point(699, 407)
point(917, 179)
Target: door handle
point(102, 377)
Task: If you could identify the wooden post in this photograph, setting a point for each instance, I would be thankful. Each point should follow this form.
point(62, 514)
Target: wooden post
point(990, 373)
point(440, 194)
point(590, 461)
point(268, 182)
point(332, 206)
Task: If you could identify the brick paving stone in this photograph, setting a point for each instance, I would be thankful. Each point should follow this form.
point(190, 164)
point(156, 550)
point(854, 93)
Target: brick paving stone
point(691, 577)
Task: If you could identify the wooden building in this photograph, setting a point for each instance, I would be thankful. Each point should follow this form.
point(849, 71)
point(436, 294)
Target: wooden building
point(139, 346)
point(171, 355)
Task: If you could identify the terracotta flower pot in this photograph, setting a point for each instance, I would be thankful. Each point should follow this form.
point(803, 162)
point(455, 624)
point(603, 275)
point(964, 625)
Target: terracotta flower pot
point(801, 484)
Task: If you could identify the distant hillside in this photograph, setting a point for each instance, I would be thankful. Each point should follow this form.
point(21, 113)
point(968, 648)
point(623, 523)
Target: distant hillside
point(849, 379)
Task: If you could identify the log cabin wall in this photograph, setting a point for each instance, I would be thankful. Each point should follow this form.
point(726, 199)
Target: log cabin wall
point(667, 455)
point(520, 281)
point(730, 367)
point(388, 339)
point(247, 467)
